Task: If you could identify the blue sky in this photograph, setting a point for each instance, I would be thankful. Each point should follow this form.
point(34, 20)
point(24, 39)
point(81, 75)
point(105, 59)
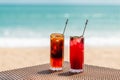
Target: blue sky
point(62, 1)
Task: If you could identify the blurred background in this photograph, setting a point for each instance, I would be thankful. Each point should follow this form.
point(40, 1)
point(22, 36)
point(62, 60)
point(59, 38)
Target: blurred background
point(26, 25)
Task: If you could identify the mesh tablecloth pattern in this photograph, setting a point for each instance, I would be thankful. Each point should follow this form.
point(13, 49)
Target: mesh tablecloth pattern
point(42, 72)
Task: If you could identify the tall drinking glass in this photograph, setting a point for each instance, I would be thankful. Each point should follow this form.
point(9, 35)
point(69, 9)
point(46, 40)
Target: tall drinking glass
point(56, 51)
point(76, 54)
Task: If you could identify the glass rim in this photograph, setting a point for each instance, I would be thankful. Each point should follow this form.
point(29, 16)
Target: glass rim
point(76, 36)
point(56, 35)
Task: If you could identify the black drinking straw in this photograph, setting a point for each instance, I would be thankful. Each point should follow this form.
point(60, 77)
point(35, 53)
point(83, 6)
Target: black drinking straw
point(65, 26)
point(85, 27)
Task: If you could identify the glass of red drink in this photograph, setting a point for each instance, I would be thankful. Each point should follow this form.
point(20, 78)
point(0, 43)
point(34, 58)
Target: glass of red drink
point(56, 51)
point(76, 54)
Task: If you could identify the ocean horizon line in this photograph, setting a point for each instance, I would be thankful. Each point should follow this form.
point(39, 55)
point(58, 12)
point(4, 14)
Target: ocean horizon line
point(27, 4)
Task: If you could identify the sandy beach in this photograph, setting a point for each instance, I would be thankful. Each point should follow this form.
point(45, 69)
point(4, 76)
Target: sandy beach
point(13, 58)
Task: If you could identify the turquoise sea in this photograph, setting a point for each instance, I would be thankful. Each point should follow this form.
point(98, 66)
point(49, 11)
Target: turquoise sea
point(31, 25)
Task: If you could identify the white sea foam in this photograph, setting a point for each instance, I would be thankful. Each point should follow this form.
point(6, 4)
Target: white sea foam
point(103, 41)
point(94, 15)
point(66, 15)
point(43, 42)
point(23, 42)
point(98, 15)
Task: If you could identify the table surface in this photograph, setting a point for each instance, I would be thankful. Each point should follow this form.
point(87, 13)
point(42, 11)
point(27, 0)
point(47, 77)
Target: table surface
point(41, 72)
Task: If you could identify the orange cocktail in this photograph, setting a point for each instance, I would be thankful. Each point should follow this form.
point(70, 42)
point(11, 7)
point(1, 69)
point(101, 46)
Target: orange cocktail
point(56, 51)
